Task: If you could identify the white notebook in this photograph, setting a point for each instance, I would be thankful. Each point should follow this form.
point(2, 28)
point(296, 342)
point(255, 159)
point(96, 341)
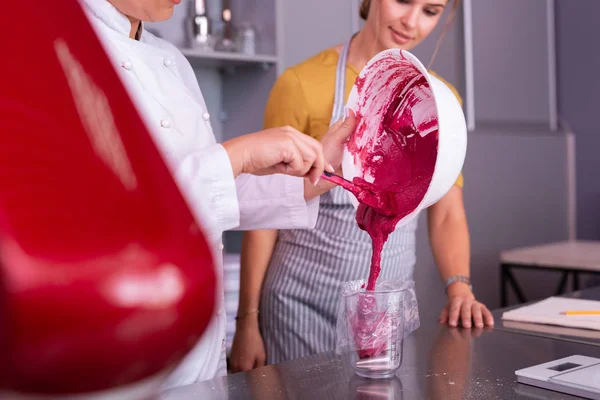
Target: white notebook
point(548, 311)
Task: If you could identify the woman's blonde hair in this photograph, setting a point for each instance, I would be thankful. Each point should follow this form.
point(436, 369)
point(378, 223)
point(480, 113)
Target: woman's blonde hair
point(366, 4)
point(364, 14)
point(364, 9)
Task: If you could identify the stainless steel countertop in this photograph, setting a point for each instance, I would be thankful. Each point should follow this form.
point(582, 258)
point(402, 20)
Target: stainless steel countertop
point(585, 336)
point(438, 363)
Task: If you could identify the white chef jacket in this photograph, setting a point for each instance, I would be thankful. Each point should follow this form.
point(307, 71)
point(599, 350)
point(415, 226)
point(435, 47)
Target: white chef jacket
point(164, 88)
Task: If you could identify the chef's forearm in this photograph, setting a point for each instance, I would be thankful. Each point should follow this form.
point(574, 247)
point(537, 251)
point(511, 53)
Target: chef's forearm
point(274, 202)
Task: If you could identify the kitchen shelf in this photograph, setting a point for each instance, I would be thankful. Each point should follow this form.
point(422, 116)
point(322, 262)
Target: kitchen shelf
point(211, 59)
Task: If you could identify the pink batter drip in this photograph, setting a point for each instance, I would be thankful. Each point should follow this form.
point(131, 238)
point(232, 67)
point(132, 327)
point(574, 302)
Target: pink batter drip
point(372, 328)
point(396, 153)
point(395, 146)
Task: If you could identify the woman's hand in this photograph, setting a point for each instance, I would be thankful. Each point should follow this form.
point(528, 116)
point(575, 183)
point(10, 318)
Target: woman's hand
point(333, 141)
point(277, 150)
point(248, 349)
point(333, 149)
point(462, 307)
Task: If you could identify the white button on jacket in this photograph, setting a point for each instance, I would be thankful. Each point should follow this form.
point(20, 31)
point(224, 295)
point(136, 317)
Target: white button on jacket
point(126, 64)
point(200, 166)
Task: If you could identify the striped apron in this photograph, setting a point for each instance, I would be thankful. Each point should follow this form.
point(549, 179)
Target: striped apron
point(300, 293)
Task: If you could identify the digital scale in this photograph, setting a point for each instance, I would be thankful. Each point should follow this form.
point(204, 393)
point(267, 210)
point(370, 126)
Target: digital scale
point(575, 375)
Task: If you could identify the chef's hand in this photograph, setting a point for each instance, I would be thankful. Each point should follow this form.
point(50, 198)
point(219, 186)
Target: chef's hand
point(278, 150)
point(248, 349)
point(333, 148)
point(462, 307)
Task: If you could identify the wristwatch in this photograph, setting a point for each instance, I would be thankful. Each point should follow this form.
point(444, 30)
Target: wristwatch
point(458, 278)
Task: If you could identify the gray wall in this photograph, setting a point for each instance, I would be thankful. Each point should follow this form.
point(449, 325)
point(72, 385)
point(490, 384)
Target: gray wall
point(313, 25)
point(579, 102)
point(511, 60)
point(513, 197)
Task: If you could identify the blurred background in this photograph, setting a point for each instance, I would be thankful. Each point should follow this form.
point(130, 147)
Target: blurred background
point(526, 70)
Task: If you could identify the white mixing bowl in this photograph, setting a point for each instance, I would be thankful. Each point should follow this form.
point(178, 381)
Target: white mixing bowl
point(452, 128)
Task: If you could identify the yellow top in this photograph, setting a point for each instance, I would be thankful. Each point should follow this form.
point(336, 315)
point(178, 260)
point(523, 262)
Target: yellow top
point(303, 95)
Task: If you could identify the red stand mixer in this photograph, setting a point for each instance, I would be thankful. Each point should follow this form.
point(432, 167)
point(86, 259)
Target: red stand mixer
point(106, 280)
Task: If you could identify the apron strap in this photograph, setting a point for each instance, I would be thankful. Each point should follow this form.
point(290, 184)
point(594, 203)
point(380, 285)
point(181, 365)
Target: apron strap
point(339, 100)
point(338, 196)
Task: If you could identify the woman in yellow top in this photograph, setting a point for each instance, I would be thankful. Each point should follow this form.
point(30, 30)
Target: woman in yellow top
point(293, 277)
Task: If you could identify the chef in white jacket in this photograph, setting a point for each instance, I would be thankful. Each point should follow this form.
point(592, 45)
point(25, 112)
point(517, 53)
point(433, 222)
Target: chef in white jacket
point(215, 179)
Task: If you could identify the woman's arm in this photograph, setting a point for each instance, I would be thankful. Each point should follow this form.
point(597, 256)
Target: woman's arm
point(248, 350)
point(449, 238)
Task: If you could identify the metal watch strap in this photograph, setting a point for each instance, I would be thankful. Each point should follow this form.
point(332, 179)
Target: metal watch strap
point(458, 278)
